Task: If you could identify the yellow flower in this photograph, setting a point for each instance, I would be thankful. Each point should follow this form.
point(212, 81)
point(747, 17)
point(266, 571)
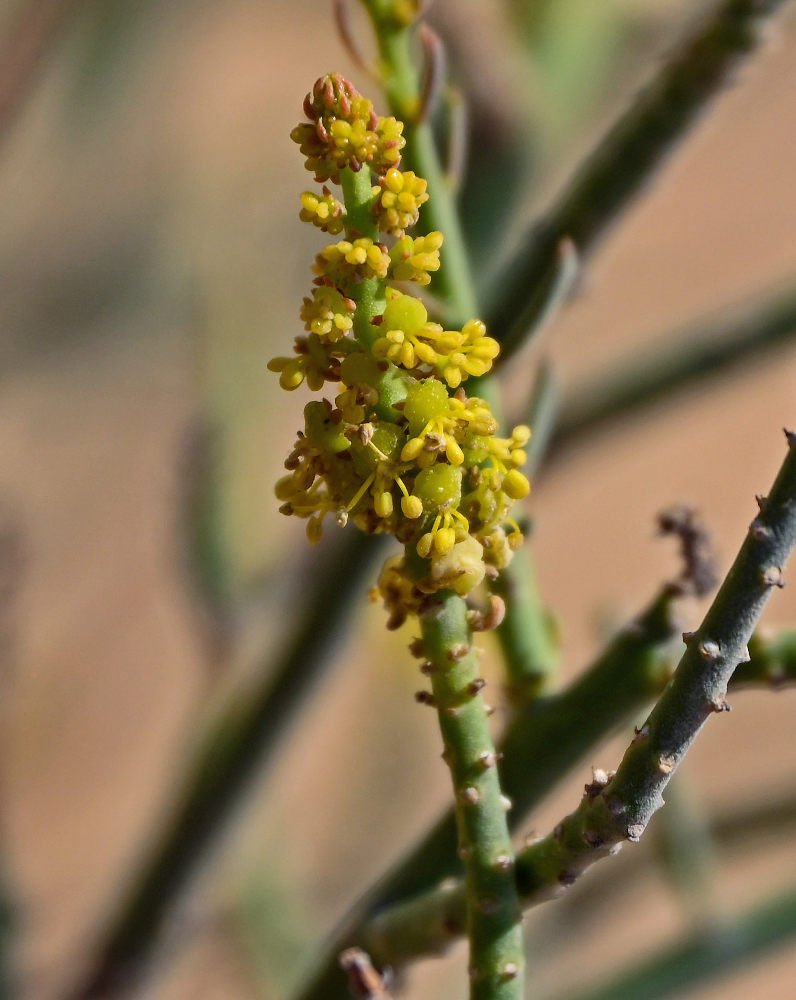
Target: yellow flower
point(325, 212)
point(398, 200)
point(344, 131)
point(414, 259)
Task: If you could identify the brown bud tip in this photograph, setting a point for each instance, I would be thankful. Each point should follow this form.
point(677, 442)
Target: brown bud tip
point(709, 650)
point(477, 685)
point(666, 765)
point(425, 698)
point(458, 651)
point(634, 832)
point(487, 759)
point(772, 577)
point(759, 531)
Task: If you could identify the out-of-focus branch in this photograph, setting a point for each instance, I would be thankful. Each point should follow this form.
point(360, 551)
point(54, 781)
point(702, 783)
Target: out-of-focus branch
point(227, 760)
point(34, 31)
point(624, 160)
point(772, 661)
point(682, 359)
point(713, 954)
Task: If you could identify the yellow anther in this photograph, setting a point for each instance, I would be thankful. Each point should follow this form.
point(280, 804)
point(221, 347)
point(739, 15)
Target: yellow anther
point(453, 452)
point(425, 544)
point(382, 504)
point(516, 485)
point(521, 435)
point(444, 540)
point(412, 506)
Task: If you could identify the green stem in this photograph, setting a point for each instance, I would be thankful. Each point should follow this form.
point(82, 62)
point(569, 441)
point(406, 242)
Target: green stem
point(616, 810)
point(621, 810)
point(369, 294)
point(454, 281)
point(492, 910)
point(543, 742)
point(624, 160)
point(526, 634)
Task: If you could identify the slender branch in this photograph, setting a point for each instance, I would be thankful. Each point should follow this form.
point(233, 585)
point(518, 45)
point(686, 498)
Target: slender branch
point(625, 159)
point(686, 853)
point(427, 923)
point(492, 908)
point(618, 808)
point(714, 954)
point(227, 761)
point(682, 359)
point(526, 633)
point(621, 808)
point(402, 85)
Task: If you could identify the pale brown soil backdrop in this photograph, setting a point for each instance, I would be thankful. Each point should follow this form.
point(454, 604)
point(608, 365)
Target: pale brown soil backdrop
point(150, 258)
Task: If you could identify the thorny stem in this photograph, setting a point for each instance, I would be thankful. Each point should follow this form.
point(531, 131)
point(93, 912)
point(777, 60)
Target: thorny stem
point(492, 907)
point(615, 172)
point(618, 808)
point(541, 745)
point(622, 810)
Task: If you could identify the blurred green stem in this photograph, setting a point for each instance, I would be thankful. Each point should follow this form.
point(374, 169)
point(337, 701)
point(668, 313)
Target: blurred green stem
point(675, 361)
point(712, 955)
point(226, 762)
point(624, 160)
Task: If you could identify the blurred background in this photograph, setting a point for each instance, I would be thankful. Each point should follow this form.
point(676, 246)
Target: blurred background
point(151, 261)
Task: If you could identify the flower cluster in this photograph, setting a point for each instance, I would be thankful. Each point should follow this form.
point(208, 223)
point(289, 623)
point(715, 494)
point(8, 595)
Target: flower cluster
point(399, 447)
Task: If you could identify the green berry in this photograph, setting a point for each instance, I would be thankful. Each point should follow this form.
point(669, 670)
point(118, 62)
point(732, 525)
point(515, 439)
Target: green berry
point(359, 368)
point(404, 312)
point(322, 430)
point(439, 486)
point(392, 387)
point(426, 400)
point(387, 438)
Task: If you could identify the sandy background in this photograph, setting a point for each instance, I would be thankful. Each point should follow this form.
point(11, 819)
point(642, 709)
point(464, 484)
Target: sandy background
point(150, 263)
